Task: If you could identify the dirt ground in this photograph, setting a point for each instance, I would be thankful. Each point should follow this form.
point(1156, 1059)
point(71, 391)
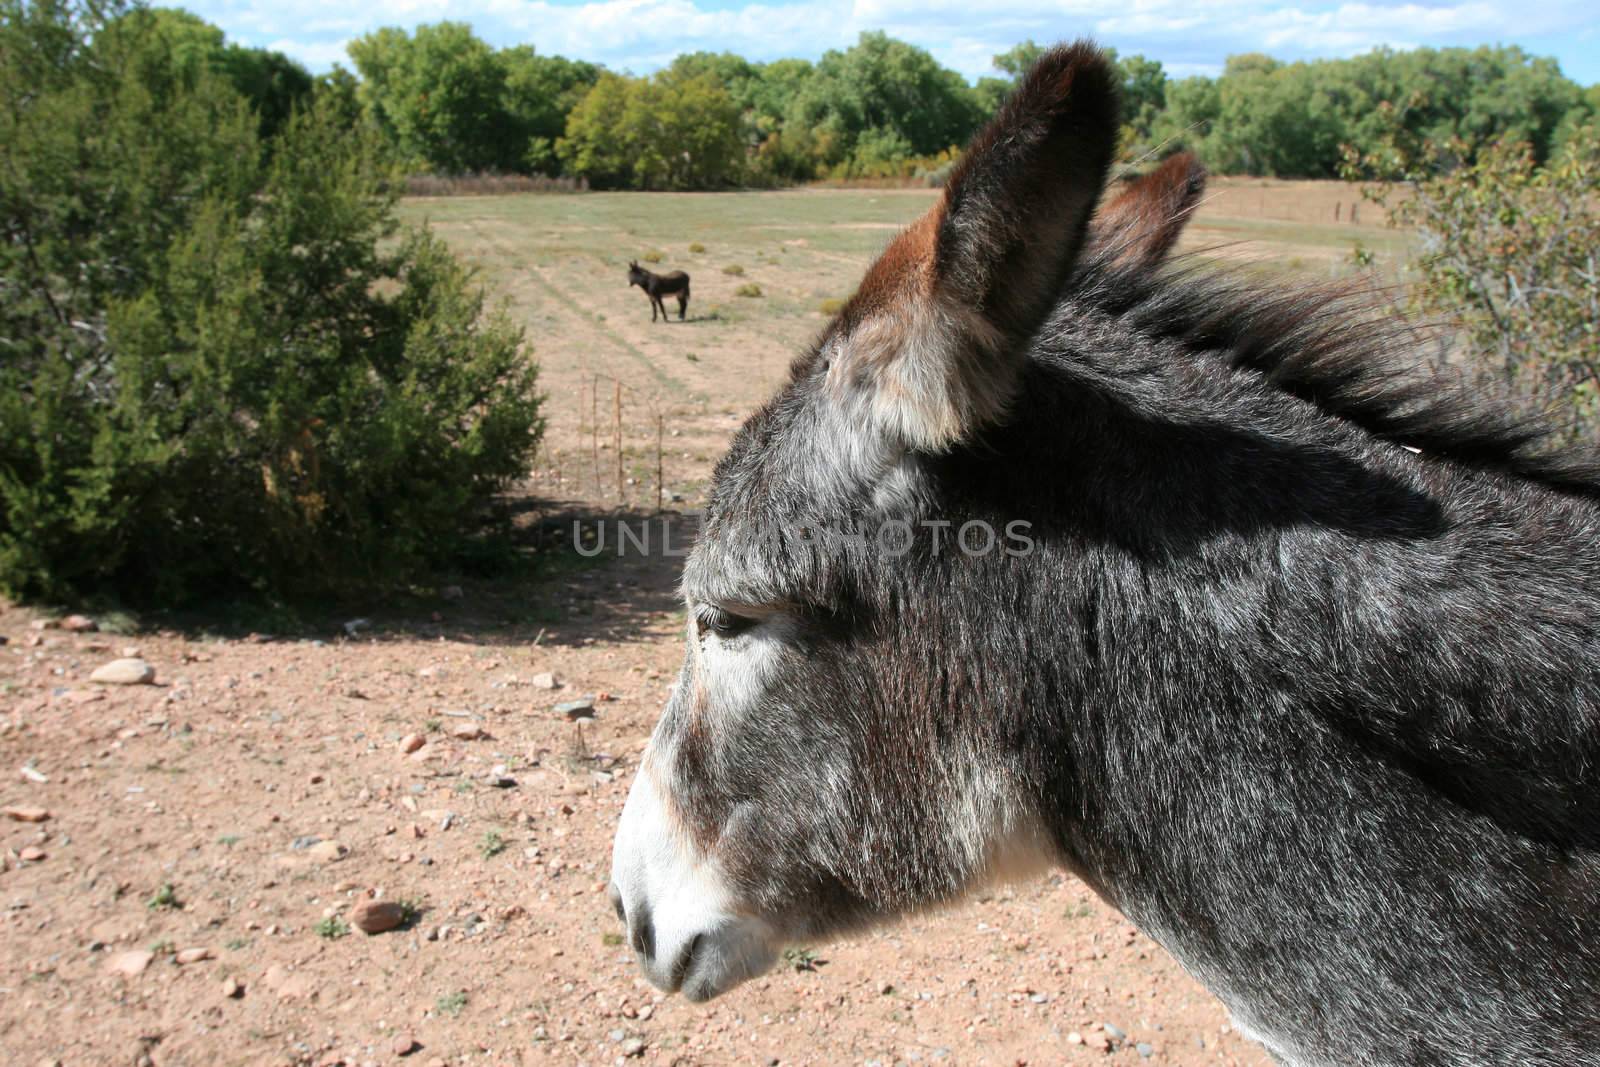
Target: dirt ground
point(185, 898)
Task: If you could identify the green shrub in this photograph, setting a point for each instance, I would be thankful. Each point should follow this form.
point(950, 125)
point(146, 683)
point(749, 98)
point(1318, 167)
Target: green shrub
point(831, 306)
point(748, 289)
point(224, 369)
point(733, 269)
point(696, 246)
point(651, 256)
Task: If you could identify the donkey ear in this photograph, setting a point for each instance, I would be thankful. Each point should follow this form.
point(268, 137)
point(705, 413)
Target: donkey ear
point(1142, 223)
point(931, 344)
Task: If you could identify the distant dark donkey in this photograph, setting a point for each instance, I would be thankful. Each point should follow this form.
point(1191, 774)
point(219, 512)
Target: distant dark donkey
point(1163, 599)
point(656, 286)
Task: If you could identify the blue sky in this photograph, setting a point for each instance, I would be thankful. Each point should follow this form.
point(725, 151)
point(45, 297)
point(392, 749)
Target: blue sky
point(1188, 36)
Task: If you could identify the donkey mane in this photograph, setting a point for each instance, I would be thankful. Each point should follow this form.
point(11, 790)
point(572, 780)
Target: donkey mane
point(1334, 347)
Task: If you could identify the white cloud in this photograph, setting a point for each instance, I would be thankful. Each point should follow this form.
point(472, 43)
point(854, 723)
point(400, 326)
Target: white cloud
point(1189, 36)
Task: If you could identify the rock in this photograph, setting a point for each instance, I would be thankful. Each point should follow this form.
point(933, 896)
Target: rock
point(633, 1047)
point(1115, 1033)
point(300, 844)
point(124, 672)
point(544, 680)
point(376, 916)
point(25, 814)
point(32, 774)
point(355, 626)
point(192, 955)
point(327, 852)
point(411, 742)
point(451, 592)
point(130, 964)
point(466, 731)
point(232, 989)
point(404, 1045)
point(1145, 1049)
point(1074, 1038)
point(79, 624)
point(45, 624)
point(31, 854)
point(576, 709)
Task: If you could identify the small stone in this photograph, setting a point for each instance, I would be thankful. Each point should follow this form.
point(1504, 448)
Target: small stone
point(1074, 1038)
point(124, 672)
point(1115, 1033)
point(543, 680)
point(1145, 1049)
point(633, 1047)
point(232, 989)
point(79, 624)
point(327, 852)
point(411, 742)
point(33, 774)
point(26, 814)
point(576, 709)
point(376, 916)
point(31, 854)
point(192, 955)
point(300, 844)
point(130, 964)
point(404, 1045)
point(466, 731)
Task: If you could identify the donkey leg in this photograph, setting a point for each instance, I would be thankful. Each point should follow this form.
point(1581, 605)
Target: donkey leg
point(683, 304)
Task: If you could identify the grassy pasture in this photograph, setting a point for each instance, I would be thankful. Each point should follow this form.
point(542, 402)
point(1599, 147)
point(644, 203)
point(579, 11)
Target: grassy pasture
point(561, 263)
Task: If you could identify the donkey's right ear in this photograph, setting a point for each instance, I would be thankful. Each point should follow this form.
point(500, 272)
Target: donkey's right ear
point(930, 347)
point(1142, 222)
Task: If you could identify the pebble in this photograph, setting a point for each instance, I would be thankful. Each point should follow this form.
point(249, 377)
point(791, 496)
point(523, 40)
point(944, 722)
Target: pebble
point(130, 963)
point(24, 814)
point(124, 672)
point(544, 680)
point(1145, 1049)
point(411, 742)
point(404, 1045)
point(232, 989)
point(466, 731)
point(576, 709)
point(376, 916)
point(633, 1047)
point(1115, 1033)
point(79, 624)
point(32, 854)
point(192, 955)
point(327, 852)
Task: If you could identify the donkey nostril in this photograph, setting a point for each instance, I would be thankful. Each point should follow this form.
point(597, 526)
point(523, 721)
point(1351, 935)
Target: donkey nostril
point(616, 904)
point(685, 960)
point(643, 933)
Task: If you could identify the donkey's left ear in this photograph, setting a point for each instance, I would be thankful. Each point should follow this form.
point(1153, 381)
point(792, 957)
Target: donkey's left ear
point(931, 345)
point(1139, 226)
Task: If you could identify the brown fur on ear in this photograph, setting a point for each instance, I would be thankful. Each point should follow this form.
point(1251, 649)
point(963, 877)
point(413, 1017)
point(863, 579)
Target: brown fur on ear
point(1142, 223)
point(930, 341)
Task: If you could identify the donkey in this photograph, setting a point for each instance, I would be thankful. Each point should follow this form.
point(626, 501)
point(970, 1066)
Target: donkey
point(1295, 657)
point(656, 286)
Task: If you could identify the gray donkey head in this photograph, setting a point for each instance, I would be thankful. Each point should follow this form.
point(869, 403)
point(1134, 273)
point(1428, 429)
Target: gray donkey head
point(824, 760)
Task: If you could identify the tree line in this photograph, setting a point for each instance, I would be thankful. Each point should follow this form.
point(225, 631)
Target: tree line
point(446, 101)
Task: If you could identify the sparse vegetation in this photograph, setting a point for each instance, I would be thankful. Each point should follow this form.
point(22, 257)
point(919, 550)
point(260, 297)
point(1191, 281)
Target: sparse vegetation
point(831, 306)
point(801, 959)
point(733, 269)
point(696, 247)
point(491, 845)
point(748, 289)
point(652, 256)
point(451, 1004)
point(332, 928)
point(163, 899)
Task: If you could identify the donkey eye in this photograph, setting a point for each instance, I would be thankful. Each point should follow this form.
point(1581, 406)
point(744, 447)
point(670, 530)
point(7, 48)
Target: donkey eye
point(715, 620)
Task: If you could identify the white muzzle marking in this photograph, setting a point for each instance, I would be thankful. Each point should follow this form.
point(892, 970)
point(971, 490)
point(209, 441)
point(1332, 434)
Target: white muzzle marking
point(680, 917)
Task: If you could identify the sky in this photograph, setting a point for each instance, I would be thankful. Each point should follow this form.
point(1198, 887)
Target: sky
point(1187, 36)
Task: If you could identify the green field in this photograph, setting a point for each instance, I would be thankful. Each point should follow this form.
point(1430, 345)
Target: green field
point(560, 262)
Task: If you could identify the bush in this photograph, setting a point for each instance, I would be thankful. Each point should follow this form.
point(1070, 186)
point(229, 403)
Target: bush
point(1507, 252)
point(696, 247)
point(748, 289)
point(224, 369)
point(733, 269)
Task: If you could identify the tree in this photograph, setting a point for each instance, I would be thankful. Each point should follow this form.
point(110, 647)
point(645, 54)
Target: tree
point(439, 95)
point(666, 132)
point(883, 96)
point(1507, 251)
point(540, 92)
point(223, 369)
